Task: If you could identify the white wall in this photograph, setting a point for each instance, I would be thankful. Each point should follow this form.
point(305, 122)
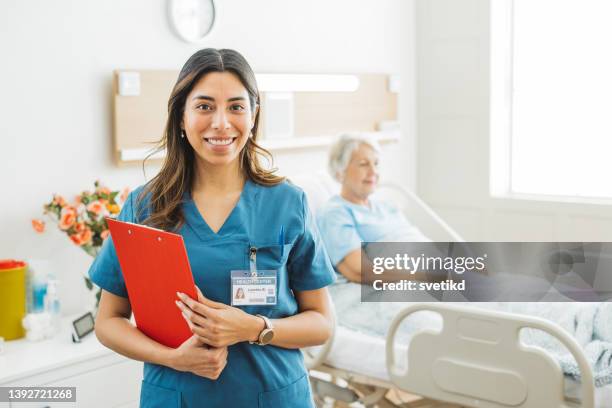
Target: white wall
point(453, 137)
point(57, 59)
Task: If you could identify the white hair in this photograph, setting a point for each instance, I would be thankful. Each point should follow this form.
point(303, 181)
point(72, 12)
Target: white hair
point(342, 150)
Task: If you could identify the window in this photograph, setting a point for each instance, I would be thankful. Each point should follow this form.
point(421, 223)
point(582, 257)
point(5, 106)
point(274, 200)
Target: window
point(551, 101)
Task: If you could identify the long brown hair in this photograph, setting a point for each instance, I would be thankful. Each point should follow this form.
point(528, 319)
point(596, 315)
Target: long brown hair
point(165, 191)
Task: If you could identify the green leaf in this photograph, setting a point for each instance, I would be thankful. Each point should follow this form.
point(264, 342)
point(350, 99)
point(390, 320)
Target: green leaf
point(88, 283)
point(98, 296)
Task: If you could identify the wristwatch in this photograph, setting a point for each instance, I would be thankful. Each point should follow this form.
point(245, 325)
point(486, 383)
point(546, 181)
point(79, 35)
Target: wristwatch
point(267, 334)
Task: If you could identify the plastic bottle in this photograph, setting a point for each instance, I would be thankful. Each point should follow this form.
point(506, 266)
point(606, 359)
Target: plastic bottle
point(52, 304)
point(38, 285)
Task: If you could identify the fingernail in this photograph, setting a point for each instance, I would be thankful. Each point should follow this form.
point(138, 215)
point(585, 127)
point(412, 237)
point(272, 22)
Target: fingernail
point(179, 294)
point(178, 303)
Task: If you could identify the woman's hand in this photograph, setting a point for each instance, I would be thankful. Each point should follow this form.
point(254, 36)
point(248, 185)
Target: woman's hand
point(218, 324)
point(198, 358)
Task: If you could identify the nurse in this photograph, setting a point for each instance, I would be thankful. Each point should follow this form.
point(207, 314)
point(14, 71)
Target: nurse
point(238, 219)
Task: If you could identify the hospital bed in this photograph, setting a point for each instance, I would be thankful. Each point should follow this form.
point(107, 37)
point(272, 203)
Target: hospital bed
point(475, 360)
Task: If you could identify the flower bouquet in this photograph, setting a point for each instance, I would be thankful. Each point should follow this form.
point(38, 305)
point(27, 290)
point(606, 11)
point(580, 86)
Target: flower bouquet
point(84, 220)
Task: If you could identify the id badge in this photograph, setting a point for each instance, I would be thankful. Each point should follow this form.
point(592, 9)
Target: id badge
point(251, 288)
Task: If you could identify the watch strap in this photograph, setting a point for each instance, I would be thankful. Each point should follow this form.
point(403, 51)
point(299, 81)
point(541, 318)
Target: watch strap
point(267, 322)
point(268, 327)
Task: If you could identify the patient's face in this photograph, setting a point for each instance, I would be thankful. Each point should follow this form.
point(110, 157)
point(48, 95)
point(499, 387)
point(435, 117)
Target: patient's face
point(361, 176)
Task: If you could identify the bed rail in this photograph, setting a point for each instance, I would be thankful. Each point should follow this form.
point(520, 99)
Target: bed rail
point(419, 213)
point(477, 360)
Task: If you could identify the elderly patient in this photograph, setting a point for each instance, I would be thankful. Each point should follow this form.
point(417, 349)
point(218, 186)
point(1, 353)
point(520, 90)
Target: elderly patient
point(354, 216)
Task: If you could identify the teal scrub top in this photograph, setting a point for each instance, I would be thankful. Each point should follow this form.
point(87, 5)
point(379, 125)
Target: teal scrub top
point(277, 221)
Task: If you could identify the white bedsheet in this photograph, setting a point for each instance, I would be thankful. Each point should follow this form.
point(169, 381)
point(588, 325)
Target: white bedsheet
point(365, 354)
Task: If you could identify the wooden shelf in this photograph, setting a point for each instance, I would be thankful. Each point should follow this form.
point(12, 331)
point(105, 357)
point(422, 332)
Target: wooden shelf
point(273, 145)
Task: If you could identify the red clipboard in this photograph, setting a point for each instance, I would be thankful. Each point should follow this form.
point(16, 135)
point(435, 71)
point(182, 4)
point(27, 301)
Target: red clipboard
point(155, 266)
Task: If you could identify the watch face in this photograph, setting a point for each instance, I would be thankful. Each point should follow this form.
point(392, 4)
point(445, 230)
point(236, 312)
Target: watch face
point(266, 336)
point(192, 19)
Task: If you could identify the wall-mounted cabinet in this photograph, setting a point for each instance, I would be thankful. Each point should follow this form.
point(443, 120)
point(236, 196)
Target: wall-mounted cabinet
point(297, 110)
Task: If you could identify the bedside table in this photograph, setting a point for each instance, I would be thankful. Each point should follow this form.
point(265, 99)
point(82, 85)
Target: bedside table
point(102, 377)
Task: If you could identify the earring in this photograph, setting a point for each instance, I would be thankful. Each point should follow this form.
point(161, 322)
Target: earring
point(182, 133)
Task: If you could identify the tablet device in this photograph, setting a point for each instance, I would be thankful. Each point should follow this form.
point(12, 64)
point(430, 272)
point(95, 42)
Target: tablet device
point(155, 266)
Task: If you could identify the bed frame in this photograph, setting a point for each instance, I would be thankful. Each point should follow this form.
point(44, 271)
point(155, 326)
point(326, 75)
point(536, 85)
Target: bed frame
point(478, 360)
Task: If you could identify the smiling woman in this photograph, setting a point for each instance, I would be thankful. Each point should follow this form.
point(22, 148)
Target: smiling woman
point(214, 106)
point(253, 248)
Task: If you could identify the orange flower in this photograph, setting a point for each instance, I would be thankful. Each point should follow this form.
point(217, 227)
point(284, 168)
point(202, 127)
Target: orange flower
point(59, 200)
point(77, 200)
point(76, 239)
point(112, 208)
point(124, 194)
point(82, 238)
point(103, 190)
point(79, 227)
point(104, 234)
point(39, 226)
point(96, 207)
point(67, 217)
point(87, 235)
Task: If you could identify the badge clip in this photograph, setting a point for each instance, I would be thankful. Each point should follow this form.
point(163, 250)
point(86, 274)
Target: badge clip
point(253, 261)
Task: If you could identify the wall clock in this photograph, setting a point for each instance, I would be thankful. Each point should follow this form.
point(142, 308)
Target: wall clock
point(192, 20)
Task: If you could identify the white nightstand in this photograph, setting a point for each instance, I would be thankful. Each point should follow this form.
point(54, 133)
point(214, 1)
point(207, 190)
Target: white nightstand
point(102, 377)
